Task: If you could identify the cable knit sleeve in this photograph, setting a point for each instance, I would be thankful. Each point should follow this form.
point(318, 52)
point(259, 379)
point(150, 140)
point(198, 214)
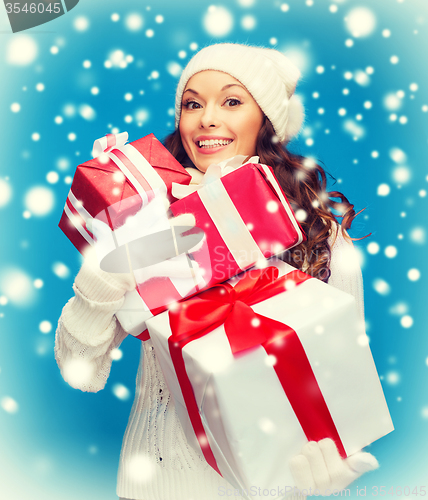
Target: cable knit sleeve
point(345, 268)
point(88, 330)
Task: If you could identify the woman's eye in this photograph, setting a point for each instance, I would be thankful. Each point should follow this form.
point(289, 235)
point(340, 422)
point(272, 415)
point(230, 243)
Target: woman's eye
point(232, 102)
point(191, 105)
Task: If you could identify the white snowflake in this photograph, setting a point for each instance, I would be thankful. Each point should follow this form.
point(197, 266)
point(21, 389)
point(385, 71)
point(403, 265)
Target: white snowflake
point(218, 21)
point(134, 22)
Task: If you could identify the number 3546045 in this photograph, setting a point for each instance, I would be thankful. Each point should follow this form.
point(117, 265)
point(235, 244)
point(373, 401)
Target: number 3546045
point(32, 8)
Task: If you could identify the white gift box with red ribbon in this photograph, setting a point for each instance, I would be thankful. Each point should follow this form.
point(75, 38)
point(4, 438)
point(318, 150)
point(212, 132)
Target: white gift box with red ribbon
point(249, 411)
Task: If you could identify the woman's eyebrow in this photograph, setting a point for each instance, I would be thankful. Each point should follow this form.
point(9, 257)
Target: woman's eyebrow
point(233, 85)
point(224, 88)
point(191, 90)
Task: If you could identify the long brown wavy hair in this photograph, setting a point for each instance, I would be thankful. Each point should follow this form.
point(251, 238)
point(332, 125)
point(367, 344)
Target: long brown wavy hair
point(304, 184)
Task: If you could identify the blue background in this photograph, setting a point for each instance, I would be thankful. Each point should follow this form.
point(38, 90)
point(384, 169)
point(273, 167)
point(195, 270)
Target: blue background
point(60, 443)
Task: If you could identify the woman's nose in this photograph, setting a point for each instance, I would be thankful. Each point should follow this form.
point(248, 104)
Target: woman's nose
point(209, 117)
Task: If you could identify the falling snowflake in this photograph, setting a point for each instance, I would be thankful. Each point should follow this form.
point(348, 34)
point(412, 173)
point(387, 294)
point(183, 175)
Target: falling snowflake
point(399, 309)
point(9, 405)
point(121, 392)
point(17, 286)
point(392, 102)
point(397, 155)
point(218, 21)
point(140, 468)
point(61, 270)
point(406, 321)
point(413, 274)
point(45, 326)
point(392, 378)
point(39, 200)
point(87, 112)
point(81, 23)
point(354, 128)
point(174, 69)
point(360, 22)
point(134, 22)
point(21, 50)
point(362, 78)
point(5, 193)
point(248, 22)
point(267, 426)
point(417, 235)
point(116, 354)
point(78, 372)
point(383, 190)
point(270, 360)
point(401, 174)
point(381, 286)
point(391, 251)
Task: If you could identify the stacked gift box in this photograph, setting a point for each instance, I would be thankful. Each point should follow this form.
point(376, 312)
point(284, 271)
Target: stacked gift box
point(259, 357)
point(230, 210)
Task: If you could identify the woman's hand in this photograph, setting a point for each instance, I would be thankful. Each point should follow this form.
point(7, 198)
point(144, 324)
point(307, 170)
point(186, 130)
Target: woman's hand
point(320, 467)
point(100, 286)
point(146, 239)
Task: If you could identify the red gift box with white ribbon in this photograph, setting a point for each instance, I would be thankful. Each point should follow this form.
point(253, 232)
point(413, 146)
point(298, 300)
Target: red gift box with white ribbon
point(120, 180)
point(246, 218)
point(261, 364)
point(117, 183)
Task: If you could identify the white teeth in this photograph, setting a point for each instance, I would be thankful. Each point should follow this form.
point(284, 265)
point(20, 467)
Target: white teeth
point(213, 143)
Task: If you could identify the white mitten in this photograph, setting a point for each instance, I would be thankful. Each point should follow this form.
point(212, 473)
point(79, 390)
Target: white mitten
point(177, 267)
point(100, 286)
point(146, 239)
point(320, 467)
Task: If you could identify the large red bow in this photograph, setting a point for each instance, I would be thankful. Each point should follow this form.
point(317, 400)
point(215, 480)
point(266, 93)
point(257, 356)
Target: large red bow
point(228, 305)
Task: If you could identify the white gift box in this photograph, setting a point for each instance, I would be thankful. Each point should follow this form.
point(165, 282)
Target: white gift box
point(247, 425)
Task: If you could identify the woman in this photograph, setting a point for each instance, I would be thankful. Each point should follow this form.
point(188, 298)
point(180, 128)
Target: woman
point(231, 99)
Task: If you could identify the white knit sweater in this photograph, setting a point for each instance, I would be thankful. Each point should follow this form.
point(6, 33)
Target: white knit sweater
point(156, 463)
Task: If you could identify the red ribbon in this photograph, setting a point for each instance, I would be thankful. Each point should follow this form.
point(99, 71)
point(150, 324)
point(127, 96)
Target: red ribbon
point(224, 304)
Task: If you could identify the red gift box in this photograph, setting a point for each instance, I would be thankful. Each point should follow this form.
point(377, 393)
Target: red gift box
point(114, 186)
point(246, 218)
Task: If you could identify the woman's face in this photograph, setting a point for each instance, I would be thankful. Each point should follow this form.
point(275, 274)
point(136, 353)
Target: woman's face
point(219, 119)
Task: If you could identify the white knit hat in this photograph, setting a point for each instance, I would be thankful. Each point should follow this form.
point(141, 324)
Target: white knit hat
point(269, 76)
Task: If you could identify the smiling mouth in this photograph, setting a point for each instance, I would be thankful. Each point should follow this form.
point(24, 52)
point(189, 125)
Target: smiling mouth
point(213, 143)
